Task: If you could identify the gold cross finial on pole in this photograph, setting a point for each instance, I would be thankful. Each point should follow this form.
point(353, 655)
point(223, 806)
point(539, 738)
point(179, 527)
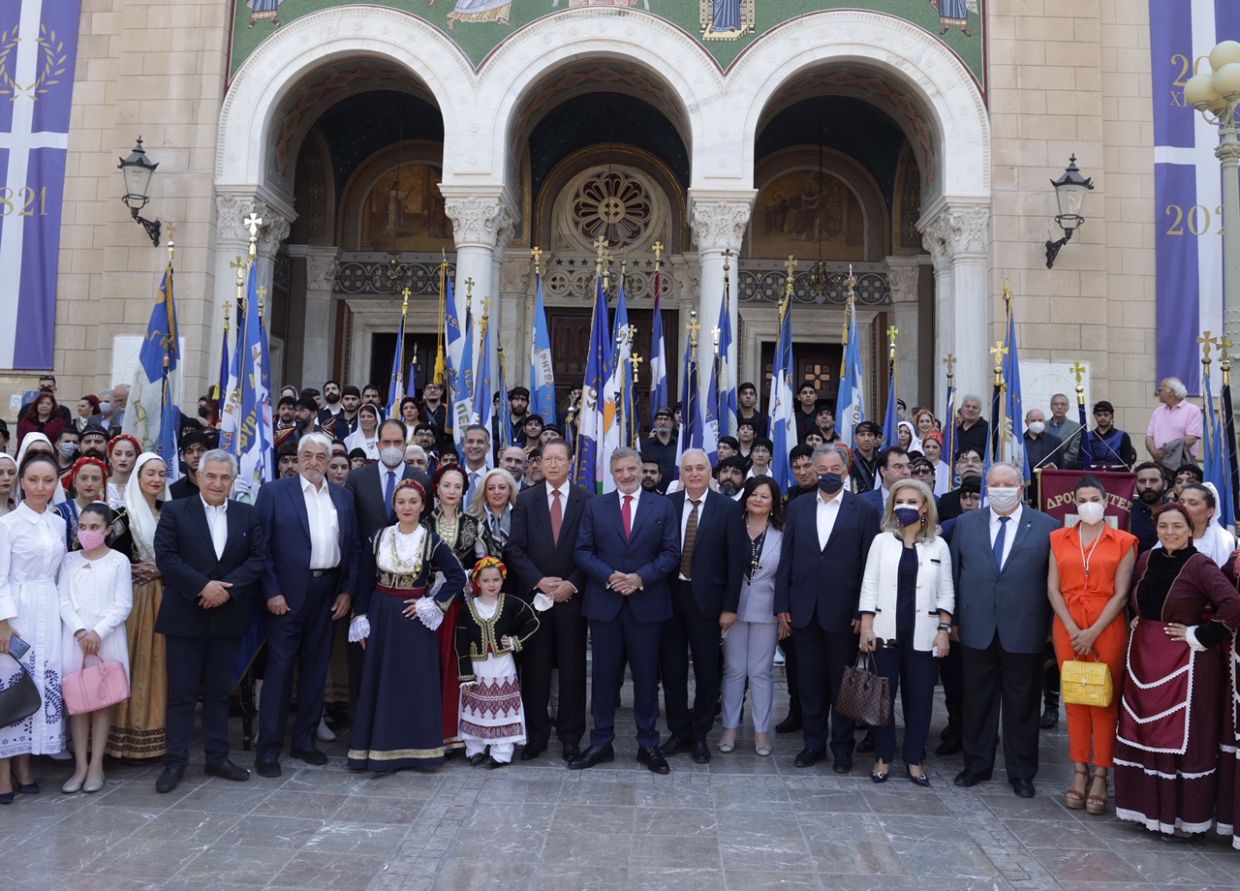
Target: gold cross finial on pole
point(635, 360)
point(262, 292)
point(790, 265)
point(950, 362)
point(469, 293)
point(239, 264)
point(600, 249)
point(1207, 342)
point(1078, 371)
point(172, 234)
point(537, 253)
point(486, 308)
point(851, 281)
point(406, 294)
point(658, 252)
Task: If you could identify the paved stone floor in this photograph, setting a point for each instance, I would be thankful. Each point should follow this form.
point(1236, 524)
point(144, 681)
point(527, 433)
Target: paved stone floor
point(741, 822)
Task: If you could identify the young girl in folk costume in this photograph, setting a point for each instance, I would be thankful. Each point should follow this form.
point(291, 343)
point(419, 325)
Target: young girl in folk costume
point(96, 594)
point(489, 629)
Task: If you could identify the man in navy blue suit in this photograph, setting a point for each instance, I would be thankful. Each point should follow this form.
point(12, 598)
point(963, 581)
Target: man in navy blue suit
point(627, 546)
point(313, 539)
point(893, 465)
point(817, 586)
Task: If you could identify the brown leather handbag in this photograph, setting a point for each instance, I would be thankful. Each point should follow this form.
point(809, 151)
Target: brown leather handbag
point(864, 695)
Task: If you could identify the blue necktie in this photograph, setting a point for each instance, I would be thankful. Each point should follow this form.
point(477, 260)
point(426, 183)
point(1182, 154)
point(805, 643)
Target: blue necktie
point(1000, 539)
point(388, 488)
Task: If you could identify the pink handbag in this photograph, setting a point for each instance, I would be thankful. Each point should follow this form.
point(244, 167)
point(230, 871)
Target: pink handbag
point(95, 686)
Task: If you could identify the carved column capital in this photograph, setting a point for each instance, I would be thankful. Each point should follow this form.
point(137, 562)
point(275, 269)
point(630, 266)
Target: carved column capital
point(719, 218)
point(483, 218)
point(902, 276)
point(232, 208)
point(321, 269)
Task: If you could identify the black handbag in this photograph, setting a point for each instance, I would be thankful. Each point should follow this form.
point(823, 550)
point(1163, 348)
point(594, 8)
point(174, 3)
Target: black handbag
point(864, 695)
point(20, 700)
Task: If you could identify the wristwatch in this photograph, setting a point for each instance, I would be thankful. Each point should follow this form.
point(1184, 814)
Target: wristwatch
point(945, 626)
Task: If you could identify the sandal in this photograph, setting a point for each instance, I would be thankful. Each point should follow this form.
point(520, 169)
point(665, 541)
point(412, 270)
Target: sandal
point(1097, 804)
point(1074, 798)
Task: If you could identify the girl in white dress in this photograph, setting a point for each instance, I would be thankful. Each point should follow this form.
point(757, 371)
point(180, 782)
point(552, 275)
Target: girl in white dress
point(8, 483)
point(32, 546)
point(96, 594)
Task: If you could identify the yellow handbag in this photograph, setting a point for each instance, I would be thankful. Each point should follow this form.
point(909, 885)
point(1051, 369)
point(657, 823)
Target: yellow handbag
point(1085, 683)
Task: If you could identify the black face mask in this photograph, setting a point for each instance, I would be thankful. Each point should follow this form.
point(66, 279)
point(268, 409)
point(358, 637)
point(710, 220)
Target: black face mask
point(830, 482)
point(204, 411)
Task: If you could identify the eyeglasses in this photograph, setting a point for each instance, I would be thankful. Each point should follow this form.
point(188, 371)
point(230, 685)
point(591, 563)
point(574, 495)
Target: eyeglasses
point(922, 471)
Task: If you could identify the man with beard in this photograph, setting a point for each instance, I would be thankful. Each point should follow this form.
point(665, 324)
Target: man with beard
point(864, 469)
point(731, 473)
point(661, 446)
point(344, 423)
point(305, 417)
point(651, 475)
point(1106, 445)
point(193, 446)
point(805, 480)
point(94, 443)
point(286, 460)
point(534, 474)
point(370, 396)
point(824, 420)
point(435, 413)
point(1151, 492)
point(286, 420)
point(331, 399)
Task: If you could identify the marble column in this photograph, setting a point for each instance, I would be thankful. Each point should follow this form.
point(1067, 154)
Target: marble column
point(719, 219)
point(319, 336)
point(902, 276)
point(479, 216)
point(232, 240)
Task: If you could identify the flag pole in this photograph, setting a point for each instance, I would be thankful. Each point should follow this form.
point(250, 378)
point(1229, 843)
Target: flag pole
point(1229, 419)
point(849, 309)
point(443, 314)
point(635, 360)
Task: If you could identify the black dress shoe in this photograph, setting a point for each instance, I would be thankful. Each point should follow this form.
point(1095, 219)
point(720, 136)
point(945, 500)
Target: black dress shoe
point(968, 778)
point(226, 770)
point(530, 752)
point(592, 757)
point(842, 764)
point(790, 724)
point(1050, 717)
point(1023, 788)
point(867, 742)
point(492, 763)
point(701, 752)
point(950, 745)
point(268, 769)
point(475, 760)
point(653, 759)
point(808, 757)
point(310, 756)
point(675, 745)
point(169, 779)
point(570, 751)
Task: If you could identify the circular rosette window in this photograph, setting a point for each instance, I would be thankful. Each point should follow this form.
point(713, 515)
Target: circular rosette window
point(617, 205)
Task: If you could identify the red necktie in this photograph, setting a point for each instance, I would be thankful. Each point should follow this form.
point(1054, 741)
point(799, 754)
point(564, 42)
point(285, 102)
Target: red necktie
point(557, 516)
point(626, 514)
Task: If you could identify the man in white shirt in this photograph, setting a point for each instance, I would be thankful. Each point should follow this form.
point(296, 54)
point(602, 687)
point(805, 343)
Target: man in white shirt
point(315, 547)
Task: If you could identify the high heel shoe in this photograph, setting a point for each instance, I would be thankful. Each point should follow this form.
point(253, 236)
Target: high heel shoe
point(1097, 804)
point(1075, 798)
point(877, 777)
point(923, 780)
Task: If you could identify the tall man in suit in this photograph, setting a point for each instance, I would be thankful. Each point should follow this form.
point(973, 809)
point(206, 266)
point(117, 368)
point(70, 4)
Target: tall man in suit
point(211, 553)
point(1000, 556)
point(315, 548)
point(541, 555)
point(627, 548)
point(373, 485)
point(705, 592)
point(817, 587)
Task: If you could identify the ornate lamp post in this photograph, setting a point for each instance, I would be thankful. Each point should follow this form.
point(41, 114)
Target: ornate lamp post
point(138, 170)
point(1070, 191)
point(1217, 96)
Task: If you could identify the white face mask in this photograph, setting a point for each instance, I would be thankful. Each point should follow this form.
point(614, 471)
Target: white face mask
point(1003, 498)
point(1091, 511)
point(1036, 427)
point(392, 456)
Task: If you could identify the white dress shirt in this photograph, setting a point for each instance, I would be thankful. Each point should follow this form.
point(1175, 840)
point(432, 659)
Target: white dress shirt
point(217, 522)
point(1011, 532)
point(324, 525)
point(828, 512)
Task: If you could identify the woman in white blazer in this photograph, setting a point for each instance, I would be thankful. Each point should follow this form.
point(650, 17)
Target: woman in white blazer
point(907, 599)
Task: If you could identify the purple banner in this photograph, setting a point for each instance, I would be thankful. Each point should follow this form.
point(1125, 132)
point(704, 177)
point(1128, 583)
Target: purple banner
point(1177, 308)
point(38, 54)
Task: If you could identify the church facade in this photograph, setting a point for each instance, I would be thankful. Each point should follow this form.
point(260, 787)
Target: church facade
point(912, 144)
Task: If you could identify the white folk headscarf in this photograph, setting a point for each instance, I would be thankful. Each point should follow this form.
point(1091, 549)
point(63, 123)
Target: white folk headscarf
point(58, 493)
point(142, 519)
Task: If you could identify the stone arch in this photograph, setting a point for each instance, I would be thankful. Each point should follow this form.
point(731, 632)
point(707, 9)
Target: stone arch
point(306, 44)
point(549, 44)
point(930, 73)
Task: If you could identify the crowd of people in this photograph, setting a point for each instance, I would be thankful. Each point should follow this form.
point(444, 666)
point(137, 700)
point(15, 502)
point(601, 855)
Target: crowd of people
point(432, 596)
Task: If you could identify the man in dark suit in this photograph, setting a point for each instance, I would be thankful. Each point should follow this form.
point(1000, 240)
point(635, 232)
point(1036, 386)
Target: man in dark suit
point(211, 553)
point(627, 548)
point(541, 555)
point(1000, 557)
point(372, 485)
point(705, 594)
point(193, 446)
point(313, 540)
point(817, 586)
point(893, 465)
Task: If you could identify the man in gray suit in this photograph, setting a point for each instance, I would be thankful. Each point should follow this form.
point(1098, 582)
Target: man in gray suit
point(1000, 556)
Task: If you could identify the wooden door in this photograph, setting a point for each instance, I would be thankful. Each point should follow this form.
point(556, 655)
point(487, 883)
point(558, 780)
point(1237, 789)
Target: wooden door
point(816, 362)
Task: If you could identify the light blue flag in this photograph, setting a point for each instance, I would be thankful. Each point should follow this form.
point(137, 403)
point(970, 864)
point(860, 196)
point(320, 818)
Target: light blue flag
point(783, 422)
point(169, 415)
point(712, 410)
point(1014, 427)
point(588, 470)
point(146, 418)
point(1217, 467)
point(850, 405)
point(463, 382)
point(542, 372)
point(727, 385)
point(253, 441)
point(658, 354)
point(891, 419)
point(618, 383)
point(505, 408)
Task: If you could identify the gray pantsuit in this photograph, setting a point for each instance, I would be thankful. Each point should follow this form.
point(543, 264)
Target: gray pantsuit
point(749, 647)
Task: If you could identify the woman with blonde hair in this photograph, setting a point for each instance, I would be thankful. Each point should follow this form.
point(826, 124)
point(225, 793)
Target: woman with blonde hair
point(906, 605)
point(492, 507)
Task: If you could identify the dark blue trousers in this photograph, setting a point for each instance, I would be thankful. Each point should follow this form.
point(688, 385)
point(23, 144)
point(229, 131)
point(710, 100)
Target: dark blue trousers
point(822, 657)
point(300, 638)
point(624, 639)
point(912, 673)
point(195, 662)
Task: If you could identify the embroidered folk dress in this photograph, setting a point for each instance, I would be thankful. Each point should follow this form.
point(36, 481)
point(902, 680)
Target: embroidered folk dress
point(491, 710)
point(1166, 750)
point(464, 535)
point(32, 546)
point(399, 719)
